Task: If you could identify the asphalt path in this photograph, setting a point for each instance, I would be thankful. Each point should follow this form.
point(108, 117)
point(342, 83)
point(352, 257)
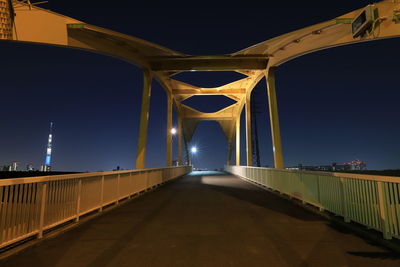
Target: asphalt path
point(206, 219)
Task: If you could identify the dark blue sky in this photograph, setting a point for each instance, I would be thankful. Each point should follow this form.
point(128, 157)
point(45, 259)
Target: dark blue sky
point(335, 105)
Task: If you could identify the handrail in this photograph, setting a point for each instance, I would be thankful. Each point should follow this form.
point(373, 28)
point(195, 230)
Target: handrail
point(38, 179)
point(30, 206)
point(370, 177)
point(370, 200)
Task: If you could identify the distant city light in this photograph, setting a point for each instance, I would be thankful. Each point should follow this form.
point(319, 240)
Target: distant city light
point(173, 131)
point(194, 150)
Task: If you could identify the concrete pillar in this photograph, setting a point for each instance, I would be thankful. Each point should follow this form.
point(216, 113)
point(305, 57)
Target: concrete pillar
point(274, 119)
point(249, 153)
point(144, 120)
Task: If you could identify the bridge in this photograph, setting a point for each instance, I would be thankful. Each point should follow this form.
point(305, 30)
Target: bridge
point(200, 219)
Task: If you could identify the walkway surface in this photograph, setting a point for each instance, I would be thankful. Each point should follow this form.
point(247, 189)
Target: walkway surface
point(206, 219)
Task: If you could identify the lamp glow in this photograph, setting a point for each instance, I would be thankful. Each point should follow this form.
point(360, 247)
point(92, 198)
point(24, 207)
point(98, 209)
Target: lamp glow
point(173, 131)
point(194, 149)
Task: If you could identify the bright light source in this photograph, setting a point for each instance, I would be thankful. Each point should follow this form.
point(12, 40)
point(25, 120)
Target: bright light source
point(194, 149)
point(173, 131)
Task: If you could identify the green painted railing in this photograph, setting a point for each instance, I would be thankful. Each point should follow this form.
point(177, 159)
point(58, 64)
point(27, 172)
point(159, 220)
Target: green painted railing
point(373, 201)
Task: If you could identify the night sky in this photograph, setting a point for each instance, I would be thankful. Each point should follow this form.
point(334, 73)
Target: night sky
point(335, 105)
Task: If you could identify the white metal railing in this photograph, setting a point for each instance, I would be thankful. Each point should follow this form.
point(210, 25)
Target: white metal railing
point(29, 206)
point(373, 201)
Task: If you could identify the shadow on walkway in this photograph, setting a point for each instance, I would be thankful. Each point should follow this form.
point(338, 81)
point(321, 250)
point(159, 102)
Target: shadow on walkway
point(234, 187)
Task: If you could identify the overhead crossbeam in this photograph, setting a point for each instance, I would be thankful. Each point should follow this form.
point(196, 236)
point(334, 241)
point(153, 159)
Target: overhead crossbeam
point(234, 90)
point(217, 63)
point(208, 91)
point(227, 113)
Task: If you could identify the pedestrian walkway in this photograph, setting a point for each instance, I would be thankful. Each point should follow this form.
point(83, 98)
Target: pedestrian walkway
point(206, 219)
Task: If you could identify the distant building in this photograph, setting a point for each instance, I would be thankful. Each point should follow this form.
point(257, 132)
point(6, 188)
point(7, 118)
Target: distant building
point(5, 168)
point(13, 167)
point(356, 165)
point(347, 166)
point(301, 167)
point(29, 167)
point(337, 167)
point(45, 168)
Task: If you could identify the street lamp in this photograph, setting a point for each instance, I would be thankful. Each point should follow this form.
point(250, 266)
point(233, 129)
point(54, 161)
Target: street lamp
point(173, 131)
point(193, 150)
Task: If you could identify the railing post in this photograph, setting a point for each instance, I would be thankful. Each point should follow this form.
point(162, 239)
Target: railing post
point(102, 194)
point(147, 180)
point(78, 200)
point(43, 194)
point(118, 178)
point(344, 201)
point(130, 186)
point(319, 193)
point(382, 211)
point(303, 190)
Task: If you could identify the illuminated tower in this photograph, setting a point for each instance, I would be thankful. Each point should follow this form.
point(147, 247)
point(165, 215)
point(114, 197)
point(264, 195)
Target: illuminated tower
point(47, 162)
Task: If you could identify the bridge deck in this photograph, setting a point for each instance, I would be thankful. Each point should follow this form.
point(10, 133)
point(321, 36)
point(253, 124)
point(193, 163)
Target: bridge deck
point(206, 220)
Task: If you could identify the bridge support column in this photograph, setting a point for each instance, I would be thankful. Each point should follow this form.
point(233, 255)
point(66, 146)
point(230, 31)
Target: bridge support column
point(180, 158)
point(249, 152)
point(188, 157)
point(274, 119)
point(144, 120)
point(238, 141)
point(229, 153)
point(169, 128)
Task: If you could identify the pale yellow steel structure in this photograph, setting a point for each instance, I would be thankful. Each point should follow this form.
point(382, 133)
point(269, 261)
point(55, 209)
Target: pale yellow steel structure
point(169, 129)
point(238, 140)
point(274, 119)
point(34, 24)
point(226, 117)
point(332, 33)
point(144, 120)
point(249, 153)
point(229, 153)
point(180, 158)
